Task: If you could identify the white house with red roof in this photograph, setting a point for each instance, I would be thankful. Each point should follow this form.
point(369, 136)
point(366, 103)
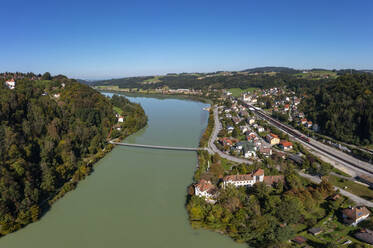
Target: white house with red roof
point(286, 145)
point(247, 180)
point(205, 188)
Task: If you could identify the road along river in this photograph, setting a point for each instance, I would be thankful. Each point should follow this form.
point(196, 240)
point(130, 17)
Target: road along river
point(136, 196)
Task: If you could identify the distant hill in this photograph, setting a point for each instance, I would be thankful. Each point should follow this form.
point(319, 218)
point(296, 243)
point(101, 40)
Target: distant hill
point(271, 69)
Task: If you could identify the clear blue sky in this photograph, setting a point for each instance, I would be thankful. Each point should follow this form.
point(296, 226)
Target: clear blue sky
point(104, 39)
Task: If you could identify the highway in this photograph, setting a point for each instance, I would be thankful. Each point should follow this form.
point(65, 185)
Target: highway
point(352, 165)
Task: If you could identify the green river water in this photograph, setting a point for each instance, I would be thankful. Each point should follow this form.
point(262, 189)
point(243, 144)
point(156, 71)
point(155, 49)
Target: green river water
point(135, 197)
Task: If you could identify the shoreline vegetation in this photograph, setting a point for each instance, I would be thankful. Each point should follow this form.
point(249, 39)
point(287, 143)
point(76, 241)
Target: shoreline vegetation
point(157, 95)
point(53, 132)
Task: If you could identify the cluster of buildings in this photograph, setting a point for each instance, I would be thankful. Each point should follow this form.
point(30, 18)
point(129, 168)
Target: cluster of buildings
point(253, 143)
point(209, 191)
point(178, 91)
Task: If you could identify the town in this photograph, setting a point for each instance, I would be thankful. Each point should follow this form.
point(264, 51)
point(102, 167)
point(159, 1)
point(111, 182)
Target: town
point(246, 136)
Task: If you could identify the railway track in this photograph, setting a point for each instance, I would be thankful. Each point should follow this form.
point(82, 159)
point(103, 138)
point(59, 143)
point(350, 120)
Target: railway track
point(308, 142)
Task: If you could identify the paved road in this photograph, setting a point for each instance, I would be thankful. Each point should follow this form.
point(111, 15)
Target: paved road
point(358, 200)
point(352, 165)
point(212, 147)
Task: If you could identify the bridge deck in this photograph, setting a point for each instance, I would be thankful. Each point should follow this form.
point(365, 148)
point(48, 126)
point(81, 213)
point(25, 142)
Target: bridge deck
point(157, 147)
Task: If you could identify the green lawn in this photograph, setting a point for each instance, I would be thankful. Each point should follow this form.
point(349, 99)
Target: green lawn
point(236, 92)
point(317, 74)
point(118, 110)
point(352, 187)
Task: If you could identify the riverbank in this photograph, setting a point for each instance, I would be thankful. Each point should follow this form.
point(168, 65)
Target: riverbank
point(157, 95)
point(79, 170)
point(135, 196)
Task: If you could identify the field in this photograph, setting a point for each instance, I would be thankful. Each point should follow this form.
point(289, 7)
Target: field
point(155, 79)
point(118, 110)
point(317, 74)
point(352, 187)
point(236, 92)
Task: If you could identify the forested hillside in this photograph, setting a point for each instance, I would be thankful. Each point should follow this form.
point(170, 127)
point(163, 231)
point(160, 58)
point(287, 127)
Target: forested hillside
point(265, 77)
point(50, 133)
point(343, 108)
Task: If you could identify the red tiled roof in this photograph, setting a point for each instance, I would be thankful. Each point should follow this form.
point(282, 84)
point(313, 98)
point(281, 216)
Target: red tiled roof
point(355, 213)
point(205, 185)
point(299, 239)
point(285, 143)
point(258, 172)
point(273, 135)
point(238, 177)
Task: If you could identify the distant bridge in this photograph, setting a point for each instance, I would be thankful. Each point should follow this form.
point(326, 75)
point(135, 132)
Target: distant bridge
point(158, 147)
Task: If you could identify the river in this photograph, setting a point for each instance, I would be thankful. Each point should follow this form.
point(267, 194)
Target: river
point(136, 196)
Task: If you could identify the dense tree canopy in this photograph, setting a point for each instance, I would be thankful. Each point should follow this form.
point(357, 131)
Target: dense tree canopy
point(49, 130)
point(343, 108)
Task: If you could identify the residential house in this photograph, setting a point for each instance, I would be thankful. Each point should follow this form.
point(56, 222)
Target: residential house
point(299, 240)
point(273, 139)
point(11, 84)
point(309, 124)
point(244, 129)
point(251, 121)
point(244, 113)
point(249, 150)
point(57, 95)
point(286, 145)
point(354, 215)
point(226, 141)
point(236, 120)
point(230, 129)
point(246, 98)
point(266, 151)
point(251, 137)
point(260, 129)
point(303, 121)
point(315, 231)
point(365, 235)
point(120, 119)
point(205, 188)
point(286, 107)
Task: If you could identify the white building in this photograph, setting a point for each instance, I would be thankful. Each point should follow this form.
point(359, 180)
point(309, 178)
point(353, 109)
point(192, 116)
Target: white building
point(260, 129)
point(11, 84)
point(120, 119)
point(205, 189)
point(251, 121)
point(246, 98)
point(247, 180)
